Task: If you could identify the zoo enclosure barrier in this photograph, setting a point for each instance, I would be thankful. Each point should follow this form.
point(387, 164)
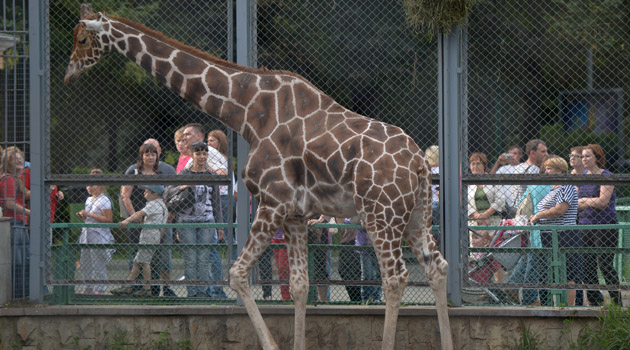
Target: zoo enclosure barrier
point(339, 272)
point(533, 70)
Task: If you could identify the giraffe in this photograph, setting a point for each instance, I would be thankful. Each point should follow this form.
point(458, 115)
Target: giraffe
point(308, 155)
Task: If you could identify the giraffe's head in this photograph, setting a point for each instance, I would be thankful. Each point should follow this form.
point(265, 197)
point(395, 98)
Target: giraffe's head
point(87, 48)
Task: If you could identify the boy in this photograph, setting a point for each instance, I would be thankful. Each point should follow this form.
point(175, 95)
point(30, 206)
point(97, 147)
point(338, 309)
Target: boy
point(154, 212)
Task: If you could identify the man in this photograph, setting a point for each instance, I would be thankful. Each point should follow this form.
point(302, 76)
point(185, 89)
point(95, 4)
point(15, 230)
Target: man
point(536, 151)
point(507, 161)
point(195, 132)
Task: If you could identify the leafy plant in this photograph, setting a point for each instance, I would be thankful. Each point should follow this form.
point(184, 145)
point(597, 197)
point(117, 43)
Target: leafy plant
point(528, 340)
point(611, 332)
point(119, 342)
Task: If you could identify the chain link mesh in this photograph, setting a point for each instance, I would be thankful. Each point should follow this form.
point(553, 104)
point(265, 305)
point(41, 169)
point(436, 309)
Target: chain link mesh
point(544, 79)
point(549, 70)
point(104, 118)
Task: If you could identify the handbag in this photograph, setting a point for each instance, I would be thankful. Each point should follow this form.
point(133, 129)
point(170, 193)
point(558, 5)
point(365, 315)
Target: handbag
point(526, 207)
point(123, 211)
point(180, 201)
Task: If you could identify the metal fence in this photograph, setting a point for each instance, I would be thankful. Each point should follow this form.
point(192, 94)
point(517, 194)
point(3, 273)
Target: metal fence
point(14, 138)
point(535, 70)
point(551, 71)
point(119, 106)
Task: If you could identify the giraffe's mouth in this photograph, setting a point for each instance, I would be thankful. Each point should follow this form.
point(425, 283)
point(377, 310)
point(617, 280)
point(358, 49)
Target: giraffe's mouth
point(72, 72)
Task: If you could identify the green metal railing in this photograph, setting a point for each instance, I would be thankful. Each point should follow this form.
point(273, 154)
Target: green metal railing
point(63, 257)
point(557, 262)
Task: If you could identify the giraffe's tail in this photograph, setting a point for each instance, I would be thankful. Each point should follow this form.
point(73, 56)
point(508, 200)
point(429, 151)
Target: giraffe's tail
point(425, 197)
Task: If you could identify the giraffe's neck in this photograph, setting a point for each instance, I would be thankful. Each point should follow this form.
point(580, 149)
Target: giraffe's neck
point(218, 88)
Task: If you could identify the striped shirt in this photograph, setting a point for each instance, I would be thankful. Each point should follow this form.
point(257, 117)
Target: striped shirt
point(562, 194)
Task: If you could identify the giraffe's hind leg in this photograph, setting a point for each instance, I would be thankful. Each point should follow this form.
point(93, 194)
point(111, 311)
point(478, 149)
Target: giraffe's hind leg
point(435, 267)
point(296, 238)
point(394, 276)
point(257, 241)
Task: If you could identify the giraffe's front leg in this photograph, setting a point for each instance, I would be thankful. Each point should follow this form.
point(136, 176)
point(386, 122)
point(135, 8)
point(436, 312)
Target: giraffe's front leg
point(256, 244)
point(296, 235)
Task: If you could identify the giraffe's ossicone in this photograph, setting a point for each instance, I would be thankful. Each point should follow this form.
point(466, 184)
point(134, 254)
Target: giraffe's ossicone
point(308, 155)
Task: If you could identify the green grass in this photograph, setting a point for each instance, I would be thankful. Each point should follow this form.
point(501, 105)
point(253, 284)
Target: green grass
point(528, 340)
point(611, 332)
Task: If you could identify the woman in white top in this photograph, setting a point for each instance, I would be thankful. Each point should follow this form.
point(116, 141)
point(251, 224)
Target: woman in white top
point(98, 210)
point(485, 202)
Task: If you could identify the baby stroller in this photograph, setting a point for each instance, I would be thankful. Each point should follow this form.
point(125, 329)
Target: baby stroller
point(482, 266)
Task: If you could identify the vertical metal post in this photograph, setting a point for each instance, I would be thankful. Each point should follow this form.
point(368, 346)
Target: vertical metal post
point(450, 109)
point(245, 38)
point(38, 107)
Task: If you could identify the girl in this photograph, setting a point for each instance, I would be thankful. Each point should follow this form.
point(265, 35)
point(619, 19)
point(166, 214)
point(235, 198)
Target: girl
point(98, 209)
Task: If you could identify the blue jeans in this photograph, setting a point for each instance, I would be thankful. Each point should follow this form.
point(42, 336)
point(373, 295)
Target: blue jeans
point(21, 247)
point(196, 260)
point(215, 273)
point(574, 261)
point(224, 210)
point(371, 272)
point(528, 270)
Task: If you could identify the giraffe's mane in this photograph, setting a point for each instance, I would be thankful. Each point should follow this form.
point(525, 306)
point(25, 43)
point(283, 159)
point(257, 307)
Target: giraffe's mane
point(198, 53)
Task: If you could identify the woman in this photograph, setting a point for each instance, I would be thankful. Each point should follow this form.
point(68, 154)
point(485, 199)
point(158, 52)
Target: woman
point(485, 202)
point(98, 210)
point(182, 148)
point(559, 207)
point(133, 199)
point(433, 157)
point(596, 205)
point(12, 197)
point(575, 160)
point(206, 209)
point(218, 141)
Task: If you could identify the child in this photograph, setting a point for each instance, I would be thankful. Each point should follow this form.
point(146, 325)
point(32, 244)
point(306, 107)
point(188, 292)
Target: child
point(98, 210)
point(154, 212)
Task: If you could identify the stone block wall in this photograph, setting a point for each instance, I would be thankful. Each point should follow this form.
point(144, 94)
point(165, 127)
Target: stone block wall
point(229, 328)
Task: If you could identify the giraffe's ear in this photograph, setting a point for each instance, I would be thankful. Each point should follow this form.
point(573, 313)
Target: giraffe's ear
point(86, 11)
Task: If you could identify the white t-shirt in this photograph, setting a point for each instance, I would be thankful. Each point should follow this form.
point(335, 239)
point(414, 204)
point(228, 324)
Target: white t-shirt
point(96, 206)
point(156, 214)
point(435, 170)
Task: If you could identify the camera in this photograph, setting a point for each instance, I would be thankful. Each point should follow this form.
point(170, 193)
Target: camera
point(508, 156)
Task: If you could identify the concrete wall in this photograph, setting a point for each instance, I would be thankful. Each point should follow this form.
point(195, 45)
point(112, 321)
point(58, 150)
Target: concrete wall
point(5, 261)
point(328, 327)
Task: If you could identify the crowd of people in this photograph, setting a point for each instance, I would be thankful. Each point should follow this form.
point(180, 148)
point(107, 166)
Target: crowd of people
point(197, 205)
point(559, 204)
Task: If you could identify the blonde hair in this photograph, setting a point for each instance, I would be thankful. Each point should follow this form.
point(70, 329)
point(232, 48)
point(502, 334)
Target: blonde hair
point(556, 162)
point(97, 171)
point(179, 133)
point(9, 160)
point(7, 165)
point(433, 155)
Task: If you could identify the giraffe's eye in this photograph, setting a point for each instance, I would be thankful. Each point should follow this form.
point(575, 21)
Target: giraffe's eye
point(83, 41)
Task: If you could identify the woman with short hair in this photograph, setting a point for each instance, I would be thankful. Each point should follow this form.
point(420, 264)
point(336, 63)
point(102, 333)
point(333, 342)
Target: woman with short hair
point(559, 207)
